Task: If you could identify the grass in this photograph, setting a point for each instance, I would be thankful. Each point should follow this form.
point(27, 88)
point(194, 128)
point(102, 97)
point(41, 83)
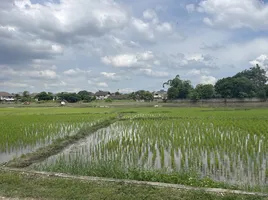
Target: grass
point(23, 185)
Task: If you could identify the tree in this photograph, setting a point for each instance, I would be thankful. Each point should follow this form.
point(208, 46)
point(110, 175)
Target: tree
point(172, 93)
point(142, 95)
point(242, 88)
point(84, 94)
point(205, 91)
point(235, 87)
point(70, 97)
point(17, 96)
point(194, 95)
point(26, 94)
point(43, 96)
point(256, 74)
point(224, 87)
point(178, 89)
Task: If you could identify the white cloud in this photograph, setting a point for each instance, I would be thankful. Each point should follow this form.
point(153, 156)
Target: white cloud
point(28, 74)
point(201, 76)
point(55, 85)
point(155, 74)
point(262, 61)
point(189, 61)
point(208, 80)
point(45, 74)
point(235, 13)
point(129, 60)
point(72, 16)
point(149, 14)
point(41, 44)
point(126, 90)
point(76, 72)
point(110, 76)
point(102, 84)
point(10, 84)
point(150, 29)
point(196, 72)
point(143, 28)
point(164, 27)
point(190, 8)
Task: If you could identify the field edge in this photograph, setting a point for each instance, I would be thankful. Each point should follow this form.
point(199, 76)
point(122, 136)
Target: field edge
point(30, 184)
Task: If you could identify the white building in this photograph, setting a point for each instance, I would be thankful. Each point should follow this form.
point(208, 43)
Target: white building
point(4, 96)
point(162, 94)
point(101, 95)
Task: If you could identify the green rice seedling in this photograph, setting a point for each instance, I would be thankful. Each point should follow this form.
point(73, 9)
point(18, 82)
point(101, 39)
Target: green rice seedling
point(23, 133)
point(213, 148)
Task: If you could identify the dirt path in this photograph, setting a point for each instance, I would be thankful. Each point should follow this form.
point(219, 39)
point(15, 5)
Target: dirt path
point(155, 184)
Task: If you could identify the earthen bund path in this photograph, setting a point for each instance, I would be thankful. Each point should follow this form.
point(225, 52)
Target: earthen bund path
point(130, 182)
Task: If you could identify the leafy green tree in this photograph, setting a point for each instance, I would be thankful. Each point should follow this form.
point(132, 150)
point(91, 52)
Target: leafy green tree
point(224, 87)
point(17, 96)
point(205, 91)
point(43, 96)
point(87, 98)
point(26, 94)
point(266, 90)
point(172, 93)
point(194, 95)
point(84, 94)
point(242, 87)
point(70, 97)
point(235, 87)
point(256, 74)
point(178, 89)
point(142, 95)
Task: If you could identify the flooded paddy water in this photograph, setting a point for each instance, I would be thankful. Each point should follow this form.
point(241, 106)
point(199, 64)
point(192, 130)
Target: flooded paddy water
point(221, 150)
point(23, 131)
point(44, 135)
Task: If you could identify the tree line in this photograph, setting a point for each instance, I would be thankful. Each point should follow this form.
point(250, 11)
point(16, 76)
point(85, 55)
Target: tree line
point(249, 83)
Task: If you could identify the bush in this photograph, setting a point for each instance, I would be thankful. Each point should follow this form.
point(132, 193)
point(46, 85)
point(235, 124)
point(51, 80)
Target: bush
point(108, 100)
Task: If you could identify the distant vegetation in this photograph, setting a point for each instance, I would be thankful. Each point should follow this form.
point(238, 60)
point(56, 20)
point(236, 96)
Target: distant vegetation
point(246, 84)
point(250, 83)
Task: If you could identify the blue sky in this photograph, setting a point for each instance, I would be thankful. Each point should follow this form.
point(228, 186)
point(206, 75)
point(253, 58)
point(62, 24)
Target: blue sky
point(66, 45)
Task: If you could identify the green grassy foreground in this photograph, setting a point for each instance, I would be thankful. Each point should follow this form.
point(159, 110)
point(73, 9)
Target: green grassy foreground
point(16, 184)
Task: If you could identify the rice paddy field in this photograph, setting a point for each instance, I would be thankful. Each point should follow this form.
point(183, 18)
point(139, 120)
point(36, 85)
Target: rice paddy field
point(204, 147)
point(25, 130)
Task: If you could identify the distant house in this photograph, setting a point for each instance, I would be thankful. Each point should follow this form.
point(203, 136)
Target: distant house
point(4, 96)
point(101, 95)
point(162, 94)
point(119, 97)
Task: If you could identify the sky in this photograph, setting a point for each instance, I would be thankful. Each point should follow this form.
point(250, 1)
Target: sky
point(127, 45)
